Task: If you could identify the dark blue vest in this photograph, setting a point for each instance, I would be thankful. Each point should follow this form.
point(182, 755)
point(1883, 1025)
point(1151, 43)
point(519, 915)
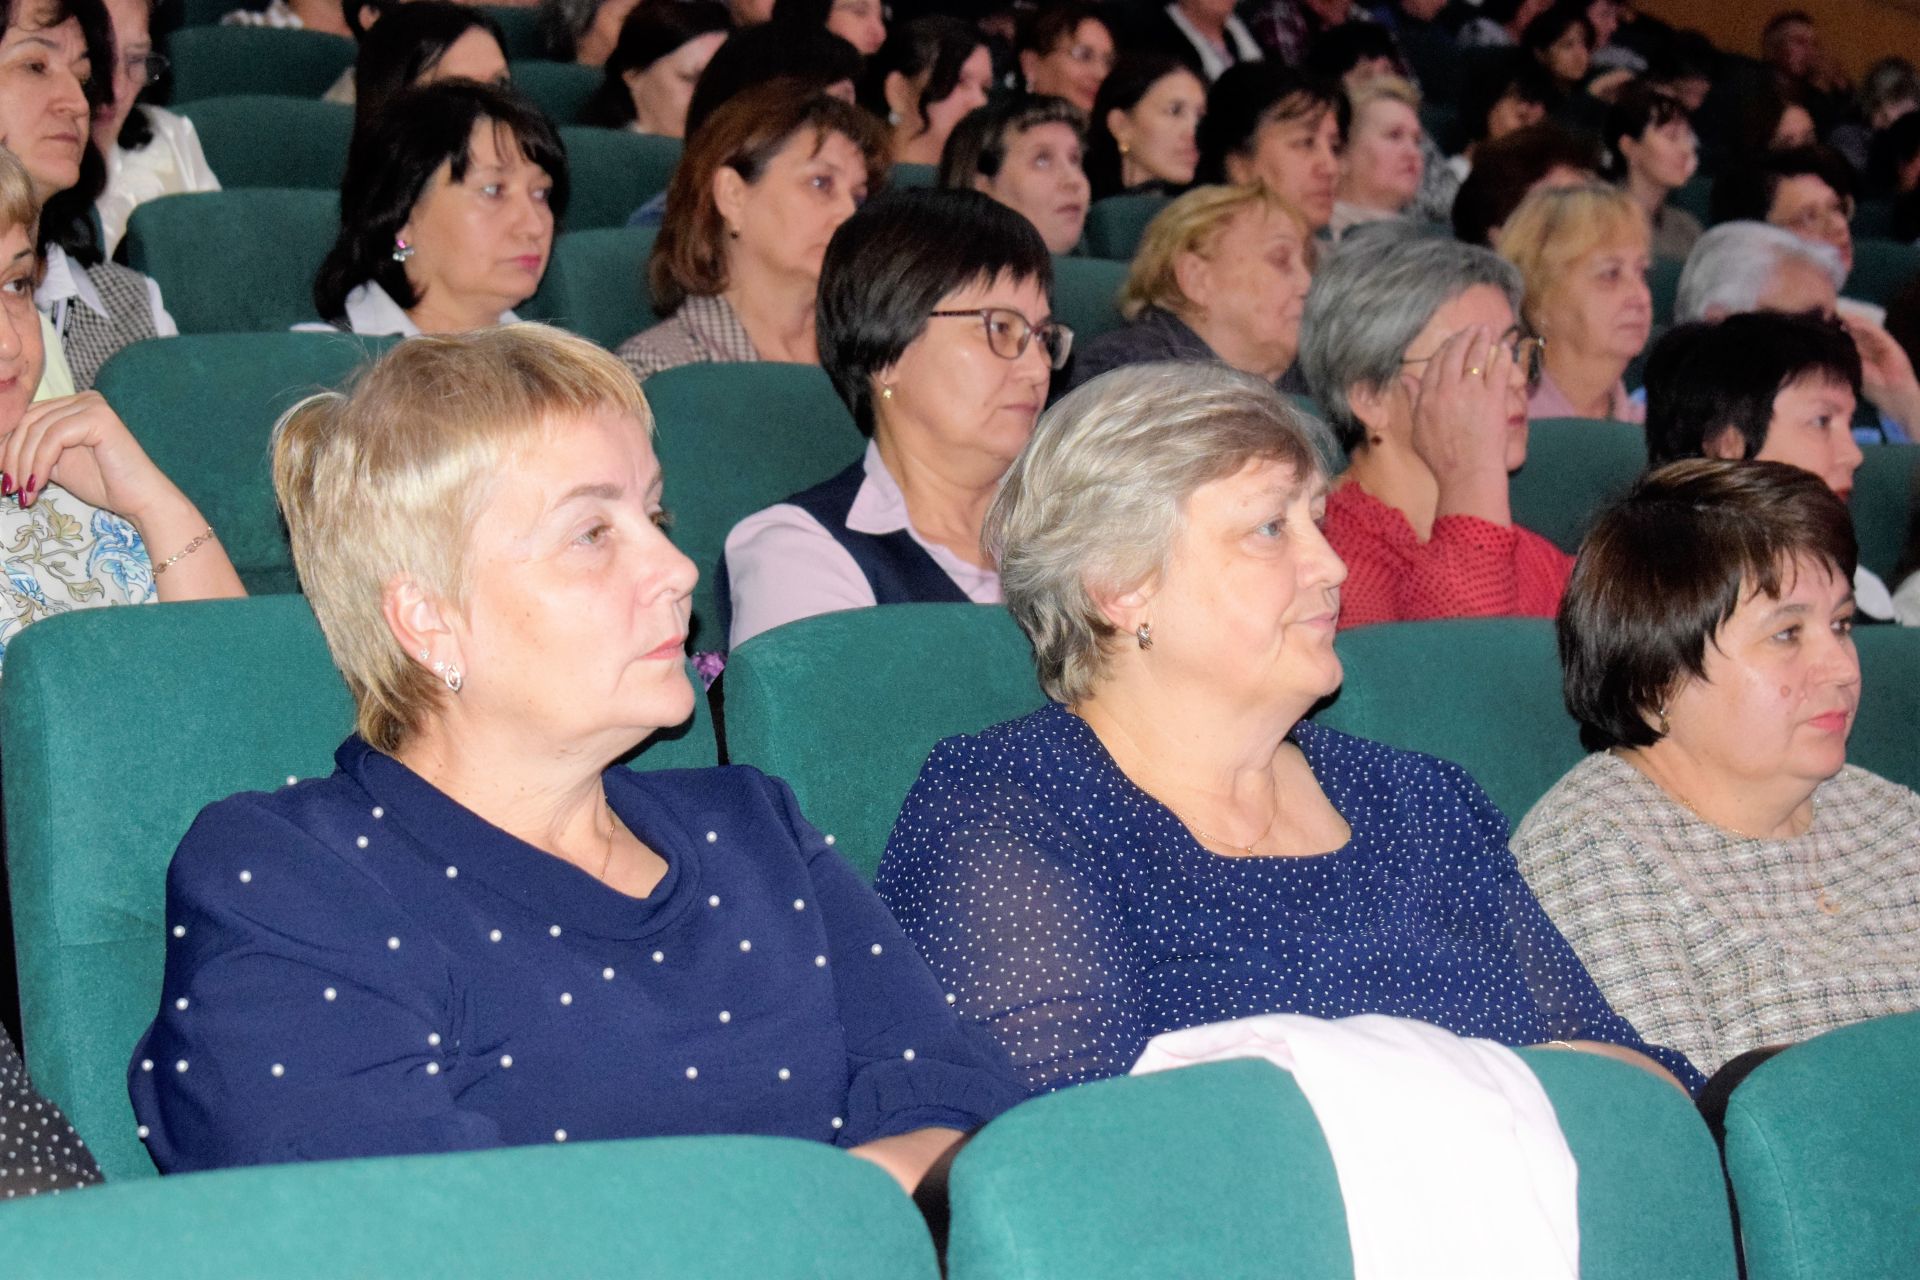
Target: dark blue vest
point(897, 568)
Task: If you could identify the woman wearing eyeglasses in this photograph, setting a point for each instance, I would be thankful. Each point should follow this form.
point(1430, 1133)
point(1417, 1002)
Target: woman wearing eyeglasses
point(1412, 346)
point(149, 152)
point(1583, 254)
point(936, 327)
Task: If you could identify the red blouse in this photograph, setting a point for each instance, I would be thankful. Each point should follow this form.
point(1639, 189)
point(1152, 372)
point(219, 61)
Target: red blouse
point(1469, 568)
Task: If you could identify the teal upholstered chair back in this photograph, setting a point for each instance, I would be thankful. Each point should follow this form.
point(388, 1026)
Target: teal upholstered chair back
point(846, 706)
point(1086, 294)
point(1881, 268)
point(235, 261)
point(614, 172)
point(596, 285)
point(1884, 493)
point(1483, 693)
point(912, 175)
point(1222, 1170)
point(1115, 225)
point(696, 1208)
point(1574, 467)
point(1663, 281)
point(520, 24)
point(262, 141)
point(560, 89)
point(203, 407)
point(1886, 733)
point(218, 62)
point(733, 438)
point(1823, 1150)
point(120, 725)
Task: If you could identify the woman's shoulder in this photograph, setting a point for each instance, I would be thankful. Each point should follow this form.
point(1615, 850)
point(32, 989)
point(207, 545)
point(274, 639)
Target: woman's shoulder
point(1879, 805)
point(666, 345)
point(309, 831)
point(1382, 790)
point(1593, 797)
point(1043, 740)
point(1343, 757)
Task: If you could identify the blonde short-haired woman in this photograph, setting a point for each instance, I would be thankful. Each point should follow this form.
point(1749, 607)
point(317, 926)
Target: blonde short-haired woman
point(481, 930)
point(1382, 164)
point(1583, 254)
point(1221, 274)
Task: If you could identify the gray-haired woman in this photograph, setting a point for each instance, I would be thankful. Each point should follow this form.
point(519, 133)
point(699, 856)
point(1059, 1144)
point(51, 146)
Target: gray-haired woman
point(1411, 344)
point(1166, 843)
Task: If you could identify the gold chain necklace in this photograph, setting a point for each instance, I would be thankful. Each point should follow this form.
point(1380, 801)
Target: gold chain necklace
point(607, 862)
point(1205, 838)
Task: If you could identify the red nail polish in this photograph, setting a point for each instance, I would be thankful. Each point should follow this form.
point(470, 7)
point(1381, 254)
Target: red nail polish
point(6, 483)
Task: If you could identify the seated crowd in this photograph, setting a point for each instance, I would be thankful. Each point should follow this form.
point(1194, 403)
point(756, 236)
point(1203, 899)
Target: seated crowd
point(1373, 251)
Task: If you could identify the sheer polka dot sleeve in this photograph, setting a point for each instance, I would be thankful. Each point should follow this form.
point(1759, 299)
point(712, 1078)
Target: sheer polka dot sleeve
point(299, 1010)
point(1018, 916)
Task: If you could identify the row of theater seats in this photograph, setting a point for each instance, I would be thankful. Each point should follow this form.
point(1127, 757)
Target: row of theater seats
point(1217, 1172)
point(733, 439)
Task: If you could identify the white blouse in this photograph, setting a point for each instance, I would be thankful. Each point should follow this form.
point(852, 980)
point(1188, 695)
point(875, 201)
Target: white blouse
point(174, 163)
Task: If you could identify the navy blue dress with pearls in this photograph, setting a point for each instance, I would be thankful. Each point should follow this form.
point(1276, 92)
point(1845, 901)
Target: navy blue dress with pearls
point(359, 966)
point(1076, 917)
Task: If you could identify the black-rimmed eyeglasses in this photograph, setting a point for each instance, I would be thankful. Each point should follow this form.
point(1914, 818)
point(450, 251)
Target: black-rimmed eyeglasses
point(1009, 332)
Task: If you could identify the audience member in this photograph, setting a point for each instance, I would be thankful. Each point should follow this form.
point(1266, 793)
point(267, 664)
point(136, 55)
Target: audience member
point(1604, 16)
point(1279, 128)
point(754, 200)
point(1809, 191)
point(583, 31)
point(1506, 172)
point(447, 214)
point(1412, 345)
point(423, 42)
point(1500, 23)
point(861, 23)
point(1205, 34)
point(1221, 274)
point(48, 52)
point(1769, 121)
point(651, 73)
point(1146, 118)
point(1066, 51)
point(1728, 879)
point(1757, 385)
point(1179, 844)
point(1583, 259)
point(1652, 152)
point(1561, 40)
point(1355, 52)
point(931, 73)
point(1382, 166)
point(1512, 93)
point(1791, 45)
point(477, 525)
point(323, 16)
point(149, 151)
point(1288, 30)
point(1025, 153)
point(936, 328)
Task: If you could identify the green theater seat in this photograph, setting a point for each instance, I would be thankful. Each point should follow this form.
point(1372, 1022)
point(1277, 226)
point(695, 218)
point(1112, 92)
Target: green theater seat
point(692, 1208)
point(560, 89)
point(1823, 1151)
point(219, 62)
point(614, 172)
point(1222, 1170)
point(596, 285)
point(733, 438)
point(120, 725)
point(846, 706)
point(1886, 733)
point(1574, 467)
point(260, 141)
point(1116, 224)
point(1884, 493)
point(204, 408)
point(1881, 269)
point(520, 24)
point(1086, 294)
point(235, 261)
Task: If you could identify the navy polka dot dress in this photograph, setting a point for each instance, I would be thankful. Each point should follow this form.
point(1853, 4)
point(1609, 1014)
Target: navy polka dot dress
point(360, 966)
point(1076, 917)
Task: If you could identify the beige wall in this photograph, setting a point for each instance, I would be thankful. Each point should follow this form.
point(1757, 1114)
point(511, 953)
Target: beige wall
point(1856, 32)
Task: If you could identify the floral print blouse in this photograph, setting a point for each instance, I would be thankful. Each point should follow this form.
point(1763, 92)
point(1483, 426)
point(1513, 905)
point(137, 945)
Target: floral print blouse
point(61, 554)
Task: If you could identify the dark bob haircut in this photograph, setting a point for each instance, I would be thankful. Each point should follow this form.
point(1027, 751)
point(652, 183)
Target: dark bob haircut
point(650, 33)
point(67, 218)
point(390, 165)
point(1505, 170)
point(1056, 23)
point(935, 47)
point(1639, 106)
point(1340, 49)
point(1509, 75)
point(890, 264)
point(1132, 78)
point(977, 147)
point(1248, 97)
point(1746, 192)
point(1705, 378)
point(407, 44)
point(757, 55)
point(1667, 566)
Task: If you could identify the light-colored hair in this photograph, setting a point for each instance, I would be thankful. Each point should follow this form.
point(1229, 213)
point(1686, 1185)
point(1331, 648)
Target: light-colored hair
point(1732, 265)
point(386, 480)
point(1555, 227)
point(1093, 505)
point(1387, 88)
point(18, 208)
point(1371, 298)
point(1191, 224)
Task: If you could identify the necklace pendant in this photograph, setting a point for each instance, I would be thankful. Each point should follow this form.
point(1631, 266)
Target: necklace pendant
point(1828, 907)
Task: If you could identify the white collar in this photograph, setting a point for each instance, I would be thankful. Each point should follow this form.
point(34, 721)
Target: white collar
point(1246, 49)
point(879, 507)
point(371, 311)
point(62, 281)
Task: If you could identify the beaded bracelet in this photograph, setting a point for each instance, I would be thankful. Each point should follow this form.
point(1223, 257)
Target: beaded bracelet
point(184, 552)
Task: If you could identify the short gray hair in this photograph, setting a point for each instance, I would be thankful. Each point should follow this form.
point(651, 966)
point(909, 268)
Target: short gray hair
point(1371, 301)
point(1093, 505)
point(1732, 265)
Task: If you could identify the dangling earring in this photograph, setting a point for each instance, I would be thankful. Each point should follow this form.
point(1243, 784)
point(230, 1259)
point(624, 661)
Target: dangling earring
point(401, 249)
point(1665, 728)
point(1144, 635)
point(452, 677)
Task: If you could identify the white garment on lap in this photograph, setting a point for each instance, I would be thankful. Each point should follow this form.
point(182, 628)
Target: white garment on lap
point(1451, 1160)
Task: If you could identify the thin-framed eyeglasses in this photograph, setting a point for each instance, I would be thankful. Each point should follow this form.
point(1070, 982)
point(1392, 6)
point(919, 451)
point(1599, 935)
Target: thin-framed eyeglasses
point(1009, 332)
point(1088, 56)
point(1809, 222)
point(1529, 354)
point(147, 68)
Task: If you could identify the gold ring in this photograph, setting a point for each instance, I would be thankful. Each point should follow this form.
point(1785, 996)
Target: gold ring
point(1475, 371)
